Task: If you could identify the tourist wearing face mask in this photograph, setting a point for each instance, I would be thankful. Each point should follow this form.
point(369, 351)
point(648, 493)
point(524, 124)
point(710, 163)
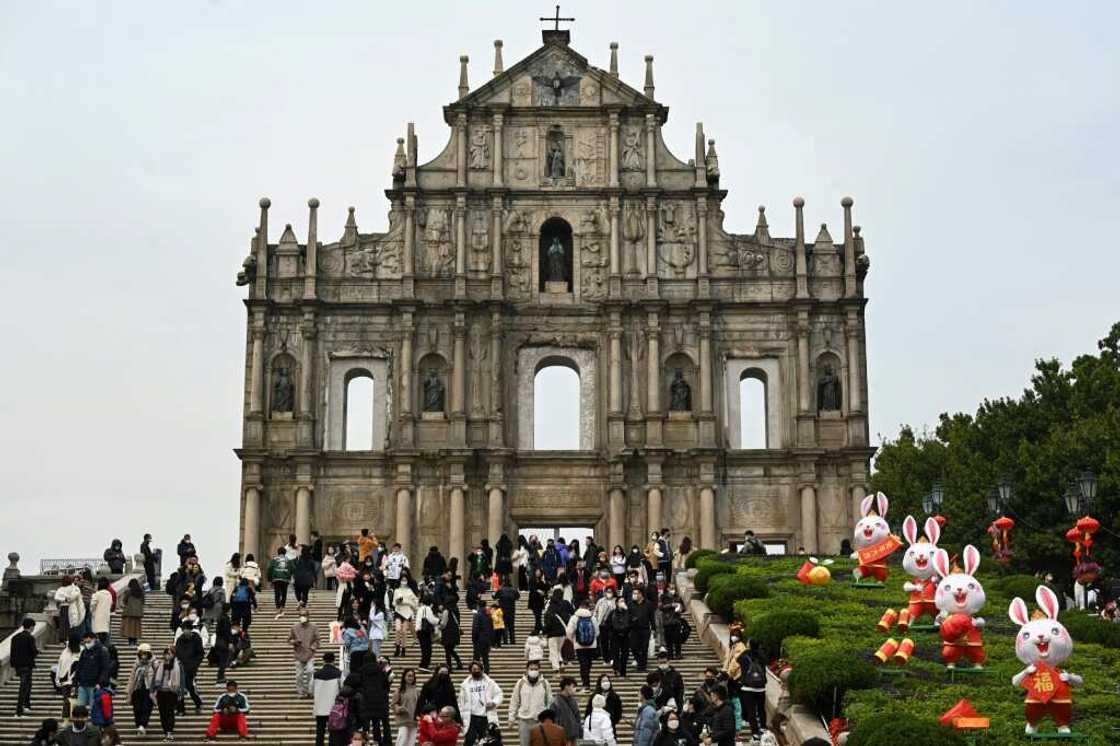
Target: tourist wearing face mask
point(139, 688)
point(612, 702)
point(674, 733)
point(597, 724)
point(641, 627)
point(439, 692)
point(671, 680)
point(373, 682)
point(530, 697)
point(81, 732)
point(603, 608)
point(619, 622)
point(303, 637)
point(479, 697)
point(92, 669)
point(189, 651)
point(166, 680)
point(328, 565)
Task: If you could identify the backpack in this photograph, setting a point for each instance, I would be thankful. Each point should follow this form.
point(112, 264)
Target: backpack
point(585, 632)
point(101, 714)
point(426, 625)
point(241, 594)
point(339, 717)
point(755, 676)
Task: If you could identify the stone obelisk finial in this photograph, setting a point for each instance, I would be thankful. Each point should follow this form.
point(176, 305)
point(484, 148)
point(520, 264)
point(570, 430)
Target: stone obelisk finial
point(649, 76)
point(614, 59)
point(464, 88)
point(498, 67)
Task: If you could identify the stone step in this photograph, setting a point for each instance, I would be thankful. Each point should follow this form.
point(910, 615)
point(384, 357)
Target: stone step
point(278, 716)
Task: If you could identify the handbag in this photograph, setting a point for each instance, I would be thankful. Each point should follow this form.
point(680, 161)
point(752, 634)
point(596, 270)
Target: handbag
point(567, 650)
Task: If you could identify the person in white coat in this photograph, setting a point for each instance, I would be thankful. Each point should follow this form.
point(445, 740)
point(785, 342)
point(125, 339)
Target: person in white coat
point(69, 597)
point(532, 694)
point(251, 571)
point(101, 610)
point(597, 726)
point(326, 685)
point(479, 697)
point(583, 631)
point(405, 604)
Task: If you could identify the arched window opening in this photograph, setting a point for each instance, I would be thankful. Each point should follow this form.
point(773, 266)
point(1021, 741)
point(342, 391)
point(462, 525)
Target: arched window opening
point(752, 410)
point(556, 410)
point(555, 255)
point(358, 413)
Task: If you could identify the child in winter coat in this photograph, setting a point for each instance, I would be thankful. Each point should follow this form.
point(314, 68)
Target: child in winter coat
point(498, 620)
point(534, 647)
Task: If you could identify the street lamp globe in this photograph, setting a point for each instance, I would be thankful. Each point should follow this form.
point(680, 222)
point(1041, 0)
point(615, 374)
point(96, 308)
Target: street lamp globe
point(927, 504)
point(1071, 499)
point(993, 502)
point(1087, 481)
point(1004, 487)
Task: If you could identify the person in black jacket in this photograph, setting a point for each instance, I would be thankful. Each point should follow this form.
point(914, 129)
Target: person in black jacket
point(188, 649)
point(482, 637)
point(556, 618)
point(149, 562)
point(93, 669)
point(538, 586)
point(372, 683)
point(722, 729)
point(23, 654)
point(439, 692)
point(641, 625)
point(507, 597)
point(114, 557)
point(304, 575)
point(185, 549)
point(434, 565)
point(614, 702)
point(671, 680)
point(674, 732)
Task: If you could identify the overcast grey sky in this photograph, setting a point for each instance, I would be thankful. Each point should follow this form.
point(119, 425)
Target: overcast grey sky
point(979, 141)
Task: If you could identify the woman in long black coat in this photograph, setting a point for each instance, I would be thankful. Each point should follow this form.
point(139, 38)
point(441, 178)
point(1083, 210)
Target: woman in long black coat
point(503, 561)
point(372, 682)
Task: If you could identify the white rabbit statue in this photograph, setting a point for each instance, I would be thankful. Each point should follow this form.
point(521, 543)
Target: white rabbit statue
point(1043, 644)
point(960, 597)
point(872, 539)
point(918, 564)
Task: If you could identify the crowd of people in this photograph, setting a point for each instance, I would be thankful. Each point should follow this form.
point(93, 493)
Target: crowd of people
point(587, 603)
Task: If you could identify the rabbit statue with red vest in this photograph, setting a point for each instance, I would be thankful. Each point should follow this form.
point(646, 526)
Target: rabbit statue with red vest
point(960, 597)
point(873, 540)
point(1043, 643)
point(918, 564)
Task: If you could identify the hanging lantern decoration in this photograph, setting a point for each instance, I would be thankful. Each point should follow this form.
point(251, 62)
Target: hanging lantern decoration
point(1085, 570)
point(1000, 531)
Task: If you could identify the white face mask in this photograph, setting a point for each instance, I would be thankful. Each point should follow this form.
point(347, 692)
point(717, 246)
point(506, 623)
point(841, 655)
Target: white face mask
point(88, 645)
point(606, 686)
point(673, 724)
point(303, 620)
point(533, 675)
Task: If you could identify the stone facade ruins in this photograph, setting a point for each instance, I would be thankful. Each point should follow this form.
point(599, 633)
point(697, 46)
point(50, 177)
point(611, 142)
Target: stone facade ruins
point(554, 227)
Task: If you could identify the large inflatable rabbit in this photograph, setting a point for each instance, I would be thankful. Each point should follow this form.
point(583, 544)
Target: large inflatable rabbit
point(959, 598)
point(918, 564)
point(872, 539)
point(1043, 644)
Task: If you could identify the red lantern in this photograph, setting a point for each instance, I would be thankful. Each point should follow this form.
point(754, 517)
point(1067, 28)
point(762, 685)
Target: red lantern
point(1001, 539)
point(940, 520)
point(1085, 570)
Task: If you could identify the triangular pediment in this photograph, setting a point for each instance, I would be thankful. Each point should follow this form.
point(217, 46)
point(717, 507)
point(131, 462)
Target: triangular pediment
point(555, 75)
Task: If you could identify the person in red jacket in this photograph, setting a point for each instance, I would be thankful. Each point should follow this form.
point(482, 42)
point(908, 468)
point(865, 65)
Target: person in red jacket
point(602, 582)
point(438, 728)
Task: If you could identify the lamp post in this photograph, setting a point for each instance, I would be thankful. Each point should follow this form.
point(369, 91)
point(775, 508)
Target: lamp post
point(993, 502)
point(1073, 500)
point(1087, 484)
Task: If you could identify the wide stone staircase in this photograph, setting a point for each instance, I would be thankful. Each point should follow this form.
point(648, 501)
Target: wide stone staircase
point(278, 715)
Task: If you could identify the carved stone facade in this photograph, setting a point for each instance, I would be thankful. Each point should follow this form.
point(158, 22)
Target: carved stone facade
point(453, 310)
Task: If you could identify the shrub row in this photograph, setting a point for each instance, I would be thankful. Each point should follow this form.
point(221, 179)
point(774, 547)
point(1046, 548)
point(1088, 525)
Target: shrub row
point(822, 676)
point(1085, 628)
point(706, 569)
point(695, 556)
point(892, 728)
point(727, 588)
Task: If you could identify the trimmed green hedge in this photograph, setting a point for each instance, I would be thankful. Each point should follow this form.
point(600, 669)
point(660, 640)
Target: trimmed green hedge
point(726, 589)
point(698, 554)
point(772, 627)
point(822, 676)
point(1022, 586)
point(894, 728)
point(1085, 628)
point(706, 569)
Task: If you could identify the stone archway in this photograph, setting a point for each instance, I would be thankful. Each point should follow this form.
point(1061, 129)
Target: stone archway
point(532, 359)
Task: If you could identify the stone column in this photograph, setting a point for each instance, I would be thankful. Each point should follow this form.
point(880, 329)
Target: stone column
point(408, 252)
point(708, 539)
point(855, 387)
point(615, 393)
point(459, 368)
point(252, 541)
point(303, 514)
point(651, 144)
point(653, 509)
point(851, 289)
point(406, 365)
point(461, 151)
point(809, 518)
point(615, 257)
point(461, 236)
point(256, 371)
point(456, 529)
point(858, 493)
point(311, 263)
point(495, 515)
point(653, 366)
point(705, 366)
point(617, 517)
point(307, 363)
point(804, 394)
point(612, 164)
point(404, 518)
point(651, 237)
point(701, 236)
point(496, 268)
point(497, 150)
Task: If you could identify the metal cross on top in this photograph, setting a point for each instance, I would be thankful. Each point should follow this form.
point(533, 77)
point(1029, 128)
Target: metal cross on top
point(556, 19)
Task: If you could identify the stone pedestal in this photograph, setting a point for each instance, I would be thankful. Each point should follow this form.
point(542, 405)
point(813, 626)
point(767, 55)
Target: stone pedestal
point(556, 288)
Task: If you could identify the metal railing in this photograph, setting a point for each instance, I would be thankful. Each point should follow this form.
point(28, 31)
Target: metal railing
point(69, 565)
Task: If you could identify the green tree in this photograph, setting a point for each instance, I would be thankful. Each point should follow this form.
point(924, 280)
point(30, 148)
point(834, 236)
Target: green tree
point(1067, 420)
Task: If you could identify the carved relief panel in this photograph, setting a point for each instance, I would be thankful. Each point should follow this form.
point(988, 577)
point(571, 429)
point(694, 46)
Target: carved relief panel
point(521, 156)
point(676, 239)
point(518, 253)
point(435, 251)
point(594, 258)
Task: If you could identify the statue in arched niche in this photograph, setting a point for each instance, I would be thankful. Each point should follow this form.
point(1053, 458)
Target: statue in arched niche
point(680, 393)
point(283, 391)
point(828, 391)
point(556, 261)
point(433, 392)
